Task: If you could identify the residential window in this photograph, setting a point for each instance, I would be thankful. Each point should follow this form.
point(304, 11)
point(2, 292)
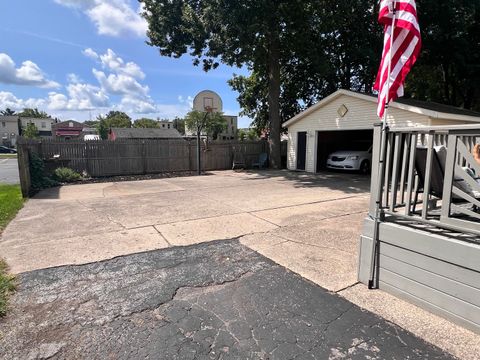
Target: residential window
point(4, 124)
point(44, 124)
point(169, 126)
point(70, 124)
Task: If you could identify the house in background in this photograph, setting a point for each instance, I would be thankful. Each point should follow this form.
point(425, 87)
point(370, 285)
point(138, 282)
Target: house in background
point(89, 133)
point(9, 130)
point(143, 133)
point(67, 130)
point(44, 125)
point(165, 124)
point(230, 132)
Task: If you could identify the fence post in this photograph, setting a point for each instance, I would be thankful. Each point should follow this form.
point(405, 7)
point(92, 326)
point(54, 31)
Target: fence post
point(23, 160)
point(144, 158)
point(87, 155)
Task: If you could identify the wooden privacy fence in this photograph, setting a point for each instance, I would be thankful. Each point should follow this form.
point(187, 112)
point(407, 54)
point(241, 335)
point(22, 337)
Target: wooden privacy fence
point(135, 156)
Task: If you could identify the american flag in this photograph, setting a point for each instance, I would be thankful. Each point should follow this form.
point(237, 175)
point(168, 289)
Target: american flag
point(406, 44)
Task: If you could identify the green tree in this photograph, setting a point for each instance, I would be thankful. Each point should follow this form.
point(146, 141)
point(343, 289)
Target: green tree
point(7, 112)
point(145, 123)
point(448, 69)
point(102, 128)
point(257, 34)
point(241, 134)
point(118, 119)
point(252, 134)
point(179, 124)
point(210, 124)
point(342, 50)
point(33, 113)
point(30, 131)
point(114, 119)
point(91, 123)
point(247, 134)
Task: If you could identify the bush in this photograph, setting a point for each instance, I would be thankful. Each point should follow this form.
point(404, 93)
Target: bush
point(39, 180)
point(64, 174)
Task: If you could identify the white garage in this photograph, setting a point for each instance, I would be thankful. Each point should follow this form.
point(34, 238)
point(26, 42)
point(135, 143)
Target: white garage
point(347, 116)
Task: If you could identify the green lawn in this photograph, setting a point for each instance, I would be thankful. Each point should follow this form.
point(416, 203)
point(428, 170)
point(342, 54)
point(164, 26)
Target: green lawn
point(7, 286)
point(11, 202)
point(8, 156)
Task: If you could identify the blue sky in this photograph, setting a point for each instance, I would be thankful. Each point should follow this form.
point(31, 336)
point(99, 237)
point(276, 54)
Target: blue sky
point(80, 58)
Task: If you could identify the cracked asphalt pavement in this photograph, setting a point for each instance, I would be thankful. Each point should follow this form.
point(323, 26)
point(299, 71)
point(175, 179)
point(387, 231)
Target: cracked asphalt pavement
point(217, 300)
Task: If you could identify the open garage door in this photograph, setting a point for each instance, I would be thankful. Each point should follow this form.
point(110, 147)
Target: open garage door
point(330, 141)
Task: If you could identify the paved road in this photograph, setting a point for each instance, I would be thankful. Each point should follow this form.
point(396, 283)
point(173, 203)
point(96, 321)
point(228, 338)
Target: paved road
point(219, 300)
point(9, 171)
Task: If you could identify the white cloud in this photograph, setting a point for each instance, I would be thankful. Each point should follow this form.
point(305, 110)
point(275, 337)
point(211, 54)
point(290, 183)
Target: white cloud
point(8, 100)
point(90, 53)
point(130, 104)
point(27, 74)
point(74, 78)
point(186, 101)
point(113, 62)
point(111, 17)
point(120, 84)
point(121, 78)
point(80, 97)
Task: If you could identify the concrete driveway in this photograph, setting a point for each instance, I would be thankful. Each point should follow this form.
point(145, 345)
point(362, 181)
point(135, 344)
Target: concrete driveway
point(9, 171)
point(309, 223)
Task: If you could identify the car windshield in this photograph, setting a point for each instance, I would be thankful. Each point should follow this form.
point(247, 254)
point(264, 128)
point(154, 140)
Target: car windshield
point(357, 146)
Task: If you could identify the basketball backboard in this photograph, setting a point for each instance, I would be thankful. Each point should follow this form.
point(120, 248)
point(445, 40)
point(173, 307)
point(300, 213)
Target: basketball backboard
point(207, 100)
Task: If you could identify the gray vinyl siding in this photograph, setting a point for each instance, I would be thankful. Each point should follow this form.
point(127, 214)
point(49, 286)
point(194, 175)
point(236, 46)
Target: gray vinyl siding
point(438, 273)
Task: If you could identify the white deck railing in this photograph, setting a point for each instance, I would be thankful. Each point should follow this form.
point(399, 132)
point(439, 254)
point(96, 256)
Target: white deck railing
point(430, 177)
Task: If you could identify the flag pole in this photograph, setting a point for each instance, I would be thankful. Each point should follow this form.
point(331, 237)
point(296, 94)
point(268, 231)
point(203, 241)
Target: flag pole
point(374, 261)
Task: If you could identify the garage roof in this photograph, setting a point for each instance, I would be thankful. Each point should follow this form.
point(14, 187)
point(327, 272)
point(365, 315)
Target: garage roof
point(430, 109)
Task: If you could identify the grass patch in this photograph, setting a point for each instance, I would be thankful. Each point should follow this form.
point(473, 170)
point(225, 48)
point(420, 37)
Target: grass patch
point(8, 156)
point(11, 202)
point(7, 287)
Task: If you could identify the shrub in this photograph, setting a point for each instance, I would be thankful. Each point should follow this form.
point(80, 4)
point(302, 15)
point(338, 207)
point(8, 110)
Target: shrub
point(38, 178)
point(64, 174)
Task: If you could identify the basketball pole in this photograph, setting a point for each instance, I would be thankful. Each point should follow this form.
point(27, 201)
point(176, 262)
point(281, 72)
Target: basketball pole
point(200, 126)
point(199, 168)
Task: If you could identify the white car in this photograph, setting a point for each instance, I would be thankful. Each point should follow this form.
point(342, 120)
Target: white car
point(358, 158)
point(89, 137)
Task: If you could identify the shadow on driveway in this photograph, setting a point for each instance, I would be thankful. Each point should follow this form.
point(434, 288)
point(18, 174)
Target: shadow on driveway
point(344, 181)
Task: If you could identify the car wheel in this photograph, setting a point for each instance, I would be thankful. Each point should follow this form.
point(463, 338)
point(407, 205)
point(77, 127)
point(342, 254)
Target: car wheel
point(365, 167)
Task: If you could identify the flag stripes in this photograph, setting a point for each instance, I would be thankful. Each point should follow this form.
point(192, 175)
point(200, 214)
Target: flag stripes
point(402, 53)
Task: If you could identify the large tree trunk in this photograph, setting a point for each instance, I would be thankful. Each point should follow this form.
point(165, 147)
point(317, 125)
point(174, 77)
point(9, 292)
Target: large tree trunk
point(274, 101)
